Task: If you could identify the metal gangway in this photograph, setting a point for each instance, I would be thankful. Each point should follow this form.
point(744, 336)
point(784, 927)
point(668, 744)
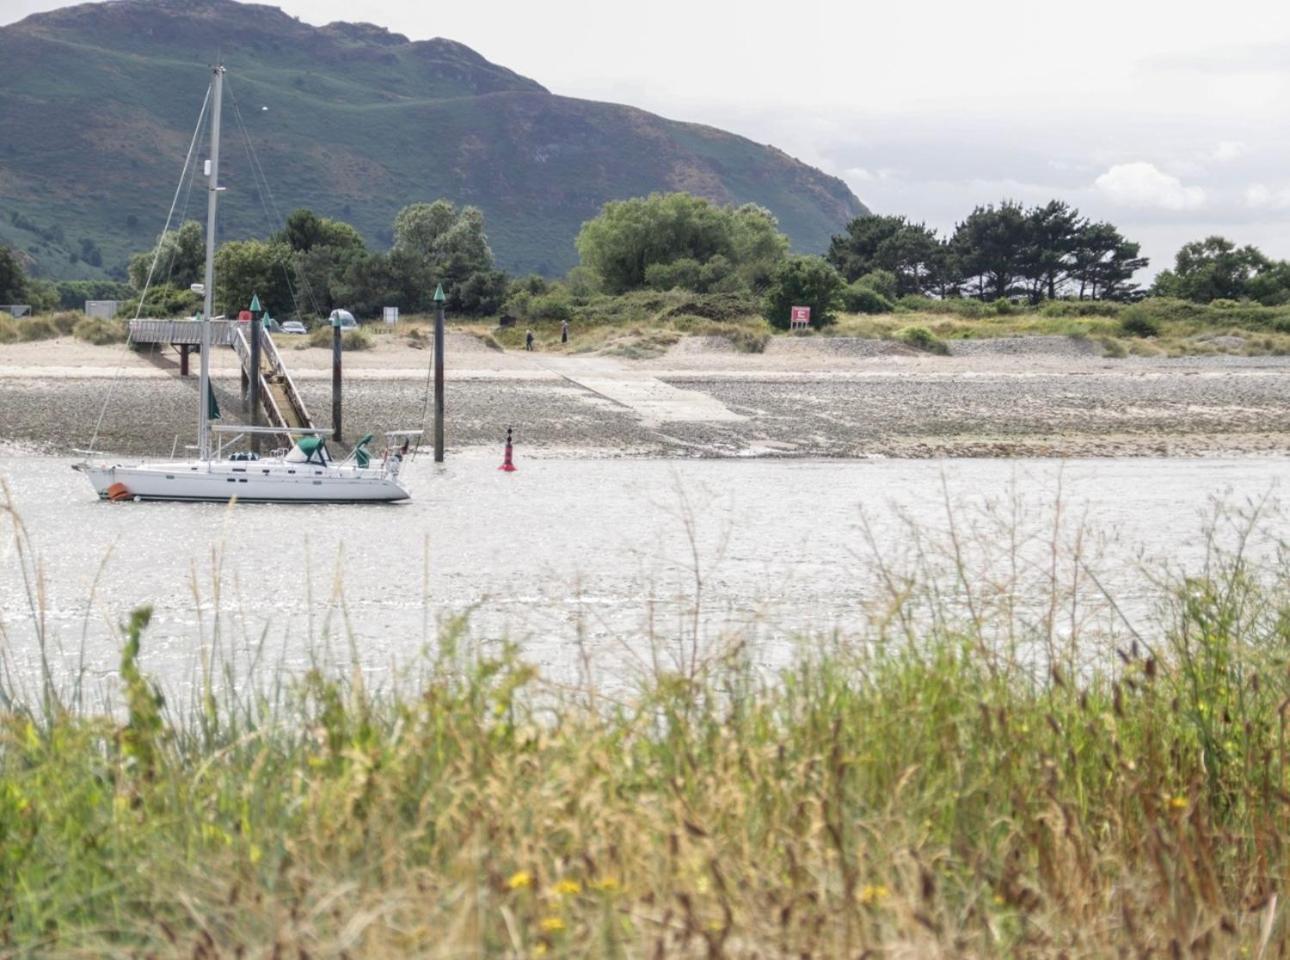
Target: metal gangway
point(281, 401)
point(283, 405)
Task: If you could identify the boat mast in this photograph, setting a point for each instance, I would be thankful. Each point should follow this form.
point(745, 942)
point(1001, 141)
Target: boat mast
point(208, 307)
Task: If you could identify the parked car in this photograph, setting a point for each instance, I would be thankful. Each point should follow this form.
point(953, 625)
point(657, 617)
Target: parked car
point(294, 326)
point(347, 321)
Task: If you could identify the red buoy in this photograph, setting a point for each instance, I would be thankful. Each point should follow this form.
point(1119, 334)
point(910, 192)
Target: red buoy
point(508, 464)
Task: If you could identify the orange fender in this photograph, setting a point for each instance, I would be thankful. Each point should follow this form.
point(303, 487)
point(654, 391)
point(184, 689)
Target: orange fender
point(118, 491)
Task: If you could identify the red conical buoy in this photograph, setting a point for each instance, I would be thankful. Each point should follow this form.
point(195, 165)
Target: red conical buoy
point(508, 463)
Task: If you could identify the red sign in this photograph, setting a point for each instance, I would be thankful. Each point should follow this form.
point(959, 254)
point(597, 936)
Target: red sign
point(800, 317)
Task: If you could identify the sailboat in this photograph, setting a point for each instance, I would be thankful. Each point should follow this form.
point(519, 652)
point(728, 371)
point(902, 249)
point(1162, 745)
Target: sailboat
point(304, 473)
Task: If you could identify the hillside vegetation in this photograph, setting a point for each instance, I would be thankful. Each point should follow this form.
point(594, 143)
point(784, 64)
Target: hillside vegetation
point(99, 103)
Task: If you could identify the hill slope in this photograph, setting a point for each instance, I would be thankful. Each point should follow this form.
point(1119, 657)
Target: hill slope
point(99, 102)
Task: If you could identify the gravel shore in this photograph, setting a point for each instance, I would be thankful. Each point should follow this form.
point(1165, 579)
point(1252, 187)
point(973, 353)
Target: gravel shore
point(802, 398)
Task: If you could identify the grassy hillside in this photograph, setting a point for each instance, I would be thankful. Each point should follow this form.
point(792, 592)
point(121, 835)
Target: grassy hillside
point(100, 100)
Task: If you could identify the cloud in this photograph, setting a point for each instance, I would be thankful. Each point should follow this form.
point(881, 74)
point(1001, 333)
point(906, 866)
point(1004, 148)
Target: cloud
point(1142, 184)
point(1262, 197)
point(1228, 150)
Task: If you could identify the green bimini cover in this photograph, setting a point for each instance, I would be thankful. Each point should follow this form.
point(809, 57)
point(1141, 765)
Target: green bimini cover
point(309, 445)
point(212, 408)
point(361, 456)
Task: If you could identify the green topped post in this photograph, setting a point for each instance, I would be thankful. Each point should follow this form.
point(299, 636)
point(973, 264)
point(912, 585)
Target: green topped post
point(335, 375)
point(253, 371)
point(438, 373)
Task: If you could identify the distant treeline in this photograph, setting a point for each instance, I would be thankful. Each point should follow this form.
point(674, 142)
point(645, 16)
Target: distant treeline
point(671, 241)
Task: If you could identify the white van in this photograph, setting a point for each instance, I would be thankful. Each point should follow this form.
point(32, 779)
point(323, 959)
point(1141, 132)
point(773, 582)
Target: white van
point(342, 318)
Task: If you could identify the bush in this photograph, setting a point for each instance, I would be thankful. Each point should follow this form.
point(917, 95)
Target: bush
point(1112, 348)
point(358, 339)
point(163, 301)
point(1080, 308)
point(100, 331)
point(555, 306)
point(958, 306)
point(66, 321)
point(682, 274)
point(37, 328)
point(1139, 323)
point(803, 281)
point(8, 329)
point(859, 297)
point(920, 338)
point(880, 281)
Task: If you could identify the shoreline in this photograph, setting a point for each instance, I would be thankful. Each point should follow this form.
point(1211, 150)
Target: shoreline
point(830, 398)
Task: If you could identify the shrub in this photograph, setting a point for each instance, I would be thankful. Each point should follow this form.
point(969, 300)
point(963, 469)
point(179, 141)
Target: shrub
point(920, 338)
point(66, 321)
point(100, 331)
point(36, 328)
point(803, 281)
point(8, 329)
point(880, 281)
point(682, 274)
point(1113, 348)
point(358, 339)
point(1080, 308)
point(1004, 308)
point(859, 297)
point(1136, 322)
point(554, 306)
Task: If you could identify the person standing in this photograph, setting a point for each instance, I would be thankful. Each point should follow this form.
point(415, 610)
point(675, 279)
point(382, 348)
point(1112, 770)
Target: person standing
point(564, 331)
point(528, 340)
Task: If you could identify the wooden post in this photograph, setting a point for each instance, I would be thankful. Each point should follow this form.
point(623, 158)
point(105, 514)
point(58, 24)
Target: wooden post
point(183, 359)
point(438, 374)
point(335, 380)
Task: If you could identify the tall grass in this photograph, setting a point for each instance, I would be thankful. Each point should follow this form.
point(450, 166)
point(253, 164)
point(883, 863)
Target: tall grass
point(951, 786)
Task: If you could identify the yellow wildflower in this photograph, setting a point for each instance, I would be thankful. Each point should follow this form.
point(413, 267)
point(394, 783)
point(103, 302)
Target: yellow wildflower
point(568, 888)
point(520, 879)
point(551, 924)
point(872, 893)
point(1178, 803)
point(607, 885)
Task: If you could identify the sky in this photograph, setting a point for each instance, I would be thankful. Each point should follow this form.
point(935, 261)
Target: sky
point(1170, 119)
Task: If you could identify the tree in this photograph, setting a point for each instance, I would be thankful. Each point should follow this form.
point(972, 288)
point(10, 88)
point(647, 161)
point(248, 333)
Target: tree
point(305, 230)
point(629, 237)
point(890, 243)
point(1050, 239)
point(1103, 263)
point(180, 258)
point(990, 247)
point(803, 282)
point(1212, 269)
point(13, 277)
point(246, 268)
point(756, 247)
point(447, 246)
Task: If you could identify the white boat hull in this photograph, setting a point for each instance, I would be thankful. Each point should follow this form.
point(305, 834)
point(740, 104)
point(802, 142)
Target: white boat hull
point(271, 480)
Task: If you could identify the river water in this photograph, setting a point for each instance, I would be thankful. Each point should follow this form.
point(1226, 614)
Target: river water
point(621, 558)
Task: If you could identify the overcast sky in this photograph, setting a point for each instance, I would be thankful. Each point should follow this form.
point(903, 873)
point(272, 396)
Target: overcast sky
point(1171, 119)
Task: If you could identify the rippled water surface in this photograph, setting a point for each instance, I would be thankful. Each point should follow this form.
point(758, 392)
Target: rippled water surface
point(602, 550)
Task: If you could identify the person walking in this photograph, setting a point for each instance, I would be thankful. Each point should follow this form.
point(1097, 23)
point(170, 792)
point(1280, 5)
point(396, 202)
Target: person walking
point(528, 340)
point(564, 331)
